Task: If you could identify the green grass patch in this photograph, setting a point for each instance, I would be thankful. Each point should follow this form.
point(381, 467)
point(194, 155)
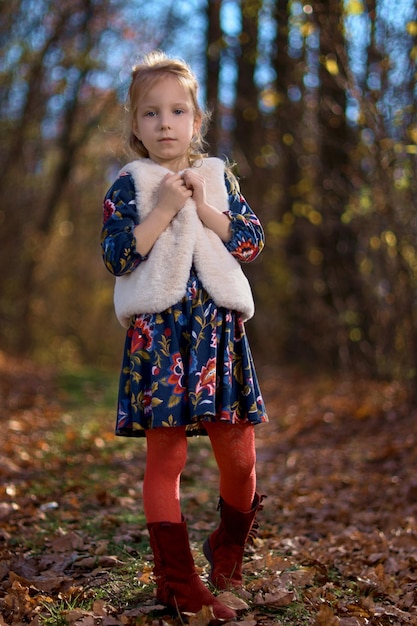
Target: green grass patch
point(85, 386)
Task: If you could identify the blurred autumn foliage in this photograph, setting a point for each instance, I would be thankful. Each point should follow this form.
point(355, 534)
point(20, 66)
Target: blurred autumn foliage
point(320, 115)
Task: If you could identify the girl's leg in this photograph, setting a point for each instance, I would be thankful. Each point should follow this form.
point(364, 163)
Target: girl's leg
point(178, 583)
point(165, 461)
point(234, 449)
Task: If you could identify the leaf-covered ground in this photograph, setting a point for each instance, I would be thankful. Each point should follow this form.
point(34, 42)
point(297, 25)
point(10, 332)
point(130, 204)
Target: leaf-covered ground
point(338, 534)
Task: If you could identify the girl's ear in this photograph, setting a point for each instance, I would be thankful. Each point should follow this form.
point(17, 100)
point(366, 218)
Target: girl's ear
point(135, 129)
point(198, 120)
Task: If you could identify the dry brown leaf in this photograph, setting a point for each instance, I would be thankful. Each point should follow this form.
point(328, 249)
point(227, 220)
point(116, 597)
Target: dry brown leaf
point(94, 561)
point(326, 617)
point(204, 617)
point(99, 607)
point(232, 601)
point(302, 577)
point(67, 541)
point(110, 621)
point(101, 547)
point(279, 599)
point(145, 576)
point(18, 600)
point(142, 610)
point(357, 610)
point(80, 618)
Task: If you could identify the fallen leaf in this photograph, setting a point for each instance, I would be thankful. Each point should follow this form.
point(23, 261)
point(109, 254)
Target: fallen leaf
point(232, 601)
point(94, 561)
point(80, 618)
point(278, 599)
point(204, 617)
point(326, 617)
point(67, 541)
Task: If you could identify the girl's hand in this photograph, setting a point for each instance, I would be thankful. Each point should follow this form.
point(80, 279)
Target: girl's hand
point(197, 185)
point(172, 195)
point(208, 214)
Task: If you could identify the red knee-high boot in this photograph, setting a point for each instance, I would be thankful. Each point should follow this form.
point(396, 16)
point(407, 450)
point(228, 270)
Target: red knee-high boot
point(225, 546)
point(178, 584)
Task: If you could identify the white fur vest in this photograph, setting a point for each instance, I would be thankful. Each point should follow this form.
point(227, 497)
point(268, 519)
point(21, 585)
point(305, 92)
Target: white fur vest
point(160, 281)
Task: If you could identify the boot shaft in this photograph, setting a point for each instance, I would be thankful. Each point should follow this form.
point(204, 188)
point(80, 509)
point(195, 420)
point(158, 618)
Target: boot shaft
point(237, 525)
point(178, 584)
point(224, 549)
point(171, 549)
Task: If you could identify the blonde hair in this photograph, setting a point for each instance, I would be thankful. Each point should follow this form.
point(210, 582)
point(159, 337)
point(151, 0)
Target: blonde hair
point(153, 67)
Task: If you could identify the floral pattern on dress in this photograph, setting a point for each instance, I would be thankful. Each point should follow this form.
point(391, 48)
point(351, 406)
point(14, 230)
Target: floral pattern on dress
point(197, 367)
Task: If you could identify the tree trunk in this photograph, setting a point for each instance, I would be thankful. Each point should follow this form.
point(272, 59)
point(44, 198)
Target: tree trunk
point(342, 284)
point(214, 52)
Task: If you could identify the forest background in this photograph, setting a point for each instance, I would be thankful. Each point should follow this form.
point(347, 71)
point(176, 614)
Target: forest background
point(315, 101)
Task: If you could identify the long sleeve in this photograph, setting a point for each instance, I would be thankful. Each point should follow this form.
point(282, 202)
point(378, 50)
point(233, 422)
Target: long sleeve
point(119, 219)
point(248, 237)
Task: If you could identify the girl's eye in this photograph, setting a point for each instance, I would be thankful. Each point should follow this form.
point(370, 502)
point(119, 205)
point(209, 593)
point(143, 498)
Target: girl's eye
point(150, 114)
point(178, 111)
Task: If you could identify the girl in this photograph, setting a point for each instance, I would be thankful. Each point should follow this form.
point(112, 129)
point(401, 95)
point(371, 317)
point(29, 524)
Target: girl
point(175, 229)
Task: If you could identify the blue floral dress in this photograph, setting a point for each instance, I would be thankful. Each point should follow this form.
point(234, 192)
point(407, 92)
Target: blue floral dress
point(192, 362)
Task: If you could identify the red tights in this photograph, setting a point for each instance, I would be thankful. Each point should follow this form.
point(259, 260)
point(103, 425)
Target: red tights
point(234, 449)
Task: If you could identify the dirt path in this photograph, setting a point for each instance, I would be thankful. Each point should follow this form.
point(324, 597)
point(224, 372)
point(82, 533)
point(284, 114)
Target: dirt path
point(337, 544)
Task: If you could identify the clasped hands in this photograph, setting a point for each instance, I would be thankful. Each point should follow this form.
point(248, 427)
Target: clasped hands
point(176, 188)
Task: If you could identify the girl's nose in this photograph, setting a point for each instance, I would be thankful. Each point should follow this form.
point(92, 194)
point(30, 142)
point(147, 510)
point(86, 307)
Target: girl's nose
point(164, 123)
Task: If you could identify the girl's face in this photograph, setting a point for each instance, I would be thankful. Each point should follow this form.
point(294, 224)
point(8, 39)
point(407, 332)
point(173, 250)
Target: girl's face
point(165, 123)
